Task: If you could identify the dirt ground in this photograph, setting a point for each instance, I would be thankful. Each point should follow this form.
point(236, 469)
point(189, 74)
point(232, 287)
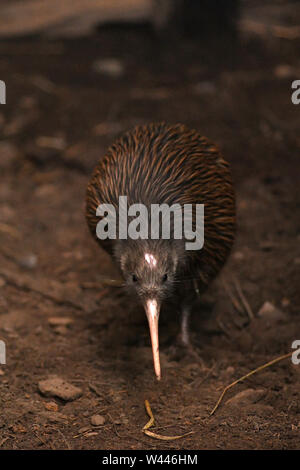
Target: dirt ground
point(64, 107)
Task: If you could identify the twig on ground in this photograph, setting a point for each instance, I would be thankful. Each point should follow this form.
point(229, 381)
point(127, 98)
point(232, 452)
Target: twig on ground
point(3, 441)
point(268, 364)
point(243, 299)
point(233, 299)
point(153, 434)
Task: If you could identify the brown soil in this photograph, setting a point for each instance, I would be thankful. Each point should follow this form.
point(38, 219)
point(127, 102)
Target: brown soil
point(50, 266)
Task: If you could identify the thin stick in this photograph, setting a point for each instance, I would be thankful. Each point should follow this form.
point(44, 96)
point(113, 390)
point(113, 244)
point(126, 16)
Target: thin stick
point(3, 441)
point(268, 364)
point(151, 422)
point(149, 411)
point(233, 299)
point(244, 300)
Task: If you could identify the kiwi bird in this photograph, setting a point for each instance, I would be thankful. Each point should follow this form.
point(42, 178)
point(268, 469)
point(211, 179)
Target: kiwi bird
point(165, 164)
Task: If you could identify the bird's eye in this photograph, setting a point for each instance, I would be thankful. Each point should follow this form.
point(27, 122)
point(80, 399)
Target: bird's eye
point(134, 278)
point(164, 278)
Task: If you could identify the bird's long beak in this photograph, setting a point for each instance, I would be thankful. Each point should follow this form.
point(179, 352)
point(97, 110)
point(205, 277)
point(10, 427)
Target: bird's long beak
point(152, 311)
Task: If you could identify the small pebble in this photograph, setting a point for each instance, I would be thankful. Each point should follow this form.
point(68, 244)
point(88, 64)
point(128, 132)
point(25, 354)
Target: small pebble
point(246, 397)
point(97, 420)
point(229, 370)
point(60, 321)
point(284, 71)
point(28, 261)
point(270, 312)
point(238, 255)
point(110, 67)
point(57, 387)
point(51, 406)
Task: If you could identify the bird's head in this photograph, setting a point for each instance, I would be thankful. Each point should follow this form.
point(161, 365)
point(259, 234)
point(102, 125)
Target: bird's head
point(149, 268)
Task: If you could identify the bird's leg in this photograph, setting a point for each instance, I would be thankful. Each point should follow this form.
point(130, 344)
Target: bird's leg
point(183, 345)
point(185, 332)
